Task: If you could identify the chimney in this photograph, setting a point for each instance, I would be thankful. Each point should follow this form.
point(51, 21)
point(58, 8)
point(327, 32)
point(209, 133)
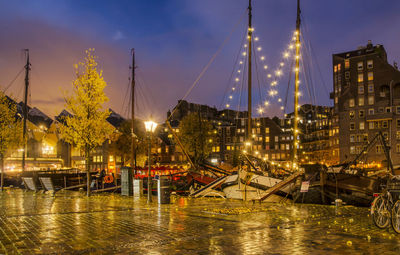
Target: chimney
point(369, 44)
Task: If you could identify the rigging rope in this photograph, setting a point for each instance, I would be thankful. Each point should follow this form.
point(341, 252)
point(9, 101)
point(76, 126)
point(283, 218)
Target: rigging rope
point(13, 80)
point(208, 64)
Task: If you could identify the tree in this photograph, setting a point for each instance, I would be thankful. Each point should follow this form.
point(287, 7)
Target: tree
point(196, 136)
point(87, 128)
point(10, 130)
point(121, 146)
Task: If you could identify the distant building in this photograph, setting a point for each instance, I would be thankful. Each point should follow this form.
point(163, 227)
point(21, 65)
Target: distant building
point(366, 93)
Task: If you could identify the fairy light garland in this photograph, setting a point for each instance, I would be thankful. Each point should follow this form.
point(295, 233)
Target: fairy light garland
point(272, 78)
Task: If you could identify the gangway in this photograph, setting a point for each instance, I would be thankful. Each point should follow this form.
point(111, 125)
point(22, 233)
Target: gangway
point(281, 185)
point(208, 187)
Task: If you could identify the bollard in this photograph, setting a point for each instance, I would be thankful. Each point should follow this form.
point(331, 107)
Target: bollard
point(137, 187)
point(338, 202)
point(163, 190)
point(126, 181)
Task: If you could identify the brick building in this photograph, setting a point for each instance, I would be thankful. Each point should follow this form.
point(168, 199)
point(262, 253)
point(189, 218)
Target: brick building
point(366, 93)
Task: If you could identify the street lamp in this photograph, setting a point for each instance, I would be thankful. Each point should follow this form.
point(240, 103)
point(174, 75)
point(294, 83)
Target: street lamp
point(150, 128)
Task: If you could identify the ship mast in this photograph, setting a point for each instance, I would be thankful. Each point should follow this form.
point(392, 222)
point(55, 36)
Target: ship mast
point(133, 155)
point(25, 108)
point(296, 90)
point(249, 38)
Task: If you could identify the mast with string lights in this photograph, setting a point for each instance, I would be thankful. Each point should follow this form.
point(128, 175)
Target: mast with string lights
point(296, 90)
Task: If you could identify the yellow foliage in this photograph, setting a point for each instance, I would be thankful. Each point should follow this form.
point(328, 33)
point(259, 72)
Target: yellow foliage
point(10, 126)
point(88, 126)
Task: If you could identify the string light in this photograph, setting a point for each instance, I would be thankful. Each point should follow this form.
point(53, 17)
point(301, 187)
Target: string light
point(259, 48)
point(262, 58)
point(236, 79)
point(265, 67)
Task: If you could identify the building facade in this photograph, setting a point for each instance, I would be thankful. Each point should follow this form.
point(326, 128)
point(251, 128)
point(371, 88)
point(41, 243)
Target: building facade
point(366, 93)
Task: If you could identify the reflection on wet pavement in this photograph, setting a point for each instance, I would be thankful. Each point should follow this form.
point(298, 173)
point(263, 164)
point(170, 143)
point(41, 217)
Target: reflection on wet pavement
point(103, 224)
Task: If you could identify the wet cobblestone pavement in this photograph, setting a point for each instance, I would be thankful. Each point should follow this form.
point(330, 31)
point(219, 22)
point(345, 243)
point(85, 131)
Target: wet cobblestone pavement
point(70, 223)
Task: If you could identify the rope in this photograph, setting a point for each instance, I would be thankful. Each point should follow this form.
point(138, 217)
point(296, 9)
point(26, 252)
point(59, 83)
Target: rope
point(208, 65)
point(13, 80)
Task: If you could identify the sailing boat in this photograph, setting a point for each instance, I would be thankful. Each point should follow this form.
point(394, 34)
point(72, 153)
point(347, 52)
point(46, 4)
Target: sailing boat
point(252, 185)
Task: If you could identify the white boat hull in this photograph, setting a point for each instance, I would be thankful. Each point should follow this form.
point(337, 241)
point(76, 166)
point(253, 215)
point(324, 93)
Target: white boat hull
point(254, 187)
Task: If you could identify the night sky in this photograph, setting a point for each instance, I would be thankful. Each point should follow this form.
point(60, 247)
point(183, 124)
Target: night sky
point(173, 41)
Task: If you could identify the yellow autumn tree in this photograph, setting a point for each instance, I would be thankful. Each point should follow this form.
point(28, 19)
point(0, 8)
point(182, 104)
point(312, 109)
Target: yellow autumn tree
point(87, 128)
point(10, 130)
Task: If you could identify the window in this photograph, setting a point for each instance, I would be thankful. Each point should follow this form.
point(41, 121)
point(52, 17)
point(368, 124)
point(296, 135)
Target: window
point(371, 111)
point(380, 109)
point(276, 138)
point(352, 149)
point(385, 134)
point(370, 125)
point(398, 109)
point(388, 109)
point(336, 100)
point(347, 75)
point(267, 139)
point(398, 147)
point(398, 123)
point(384, 124)
point(360, 66)
point(361, 89)
point(371, 100)
point(361, 101)
point(379, 149)
point(370, 88)
point(360, 77)
point(267, 130)
point(398, 135)
point(362, 125)
point(351, 102)
point(339, 67)
point(361, 114)
point(370, 76)
point(352, 125)
point(352, 138)
point(347, 64)
point(370, 64)
point(351, 115)
point(335, 69)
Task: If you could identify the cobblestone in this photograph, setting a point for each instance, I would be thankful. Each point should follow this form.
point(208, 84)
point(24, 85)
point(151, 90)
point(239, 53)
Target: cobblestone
point(70, 223)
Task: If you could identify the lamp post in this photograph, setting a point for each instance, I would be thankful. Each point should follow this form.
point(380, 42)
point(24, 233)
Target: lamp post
point(150, 128)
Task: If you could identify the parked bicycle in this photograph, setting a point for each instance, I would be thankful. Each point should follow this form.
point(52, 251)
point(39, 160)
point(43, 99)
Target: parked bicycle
point(386, 206)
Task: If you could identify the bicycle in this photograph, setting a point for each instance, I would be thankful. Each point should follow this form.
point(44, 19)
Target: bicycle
point(386, 206)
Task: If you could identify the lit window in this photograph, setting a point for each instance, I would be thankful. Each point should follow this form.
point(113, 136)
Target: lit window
point(347, 64)
point(361, 89)
point(371, 100)
point(370, 76)
point(360, 77)
point(352, 138)
point(362, 125)
point(339, 67)
point(267, 130)
point(370, 88)
point(352, 150)
point(360, 66)
point(335, 69)
point(370, 64)
point(351, 115)
point(370, 125)
point(361, 101)
point(371, 111)
point(398, 135)
point(351, 102)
